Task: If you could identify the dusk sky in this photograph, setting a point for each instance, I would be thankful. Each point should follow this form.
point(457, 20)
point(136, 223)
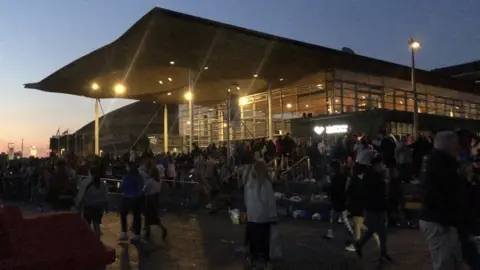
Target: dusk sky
point(39, 37)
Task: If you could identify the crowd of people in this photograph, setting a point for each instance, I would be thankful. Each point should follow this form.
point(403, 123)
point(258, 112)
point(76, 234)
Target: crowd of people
point(362, 177)
point(369, 188)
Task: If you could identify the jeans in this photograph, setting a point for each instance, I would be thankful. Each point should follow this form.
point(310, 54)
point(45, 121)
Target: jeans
point(376, 222)
point(134, 206)
point(444, 245)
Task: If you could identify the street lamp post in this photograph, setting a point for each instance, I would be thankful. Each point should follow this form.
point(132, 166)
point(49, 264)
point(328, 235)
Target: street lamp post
point(414, 45)
point(189, 97)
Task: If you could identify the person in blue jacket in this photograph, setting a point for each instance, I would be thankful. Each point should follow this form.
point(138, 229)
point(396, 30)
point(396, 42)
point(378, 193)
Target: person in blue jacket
point(131, 189)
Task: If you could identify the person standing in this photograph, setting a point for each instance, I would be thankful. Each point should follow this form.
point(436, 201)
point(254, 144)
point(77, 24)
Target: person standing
point(442, 203)
point(62, 188)
point(261, 212)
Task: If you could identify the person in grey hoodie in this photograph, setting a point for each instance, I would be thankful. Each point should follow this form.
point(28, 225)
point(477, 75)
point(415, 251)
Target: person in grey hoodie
point(261, 211)
point(92, 199)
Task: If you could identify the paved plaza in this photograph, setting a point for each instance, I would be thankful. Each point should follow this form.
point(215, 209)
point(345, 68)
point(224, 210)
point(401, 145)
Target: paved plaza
point(202, 241)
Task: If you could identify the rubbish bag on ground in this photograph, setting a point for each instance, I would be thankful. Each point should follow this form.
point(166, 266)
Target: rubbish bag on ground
point(234, 216)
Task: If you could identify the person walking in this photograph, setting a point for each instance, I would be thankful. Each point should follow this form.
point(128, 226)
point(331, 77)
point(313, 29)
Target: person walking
point(338, 199)
point(131, 189)
point(376, 206)
point(442, 203)
point(92, 199)
point(153, 185)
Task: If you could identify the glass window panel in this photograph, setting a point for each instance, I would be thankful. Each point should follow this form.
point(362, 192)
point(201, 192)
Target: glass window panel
point(399, 100)
point(410, 103)
point(474, 111)
point(422, 104)
point(393, 128)
point(449, 104)
point(314, 104)
point(389, 102)
point(440, 103)
point(459, 109)
point(348, 100)
point(362, 101)
point(376, 101)
point(431, 104)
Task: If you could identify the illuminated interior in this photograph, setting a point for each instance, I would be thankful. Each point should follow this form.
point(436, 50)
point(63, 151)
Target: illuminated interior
point(323, 98)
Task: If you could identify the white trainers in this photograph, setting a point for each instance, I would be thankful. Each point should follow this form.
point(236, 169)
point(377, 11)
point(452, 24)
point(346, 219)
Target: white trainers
point(350, 247)
point(329, 234)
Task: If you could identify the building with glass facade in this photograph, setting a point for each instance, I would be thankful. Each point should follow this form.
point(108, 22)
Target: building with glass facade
point(243, 84)
point(335, 93)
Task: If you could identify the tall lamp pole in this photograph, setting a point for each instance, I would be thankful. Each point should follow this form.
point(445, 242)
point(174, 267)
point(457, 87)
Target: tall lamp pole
point(414, 45)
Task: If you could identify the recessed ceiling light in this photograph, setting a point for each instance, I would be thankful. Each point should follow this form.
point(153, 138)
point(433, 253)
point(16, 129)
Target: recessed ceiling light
point(228, 89)
point(205, 68)
point(281, 79)
point(95, 86)
point(238, 87)
point(255, 75)
point(172, 62)
point(160, 82)
point(154, 102)
point(168, 94)
point(306, 105)
point(170, 79)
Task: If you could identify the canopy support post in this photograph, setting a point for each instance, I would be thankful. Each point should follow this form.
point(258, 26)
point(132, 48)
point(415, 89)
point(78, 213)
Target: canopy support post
point(165, 129)
point(97, 128)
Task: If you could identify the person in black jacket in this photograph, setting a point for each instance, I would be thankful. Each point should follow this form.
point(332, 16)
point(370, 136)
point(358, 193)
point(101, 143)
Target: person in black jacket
point(338, 199)
point(442, 203)
point(355, 203)
point(470, 224)
point(375, 201)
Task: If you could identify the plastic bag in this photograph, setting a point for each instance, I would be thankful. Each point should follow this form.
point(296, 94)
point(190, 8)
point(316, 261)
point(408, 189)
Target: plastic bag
point(276, 251)
point(234, 216)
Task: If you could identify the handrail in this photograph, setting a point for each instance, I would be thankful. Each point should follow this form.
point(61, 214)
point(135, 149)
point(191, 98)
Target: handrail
point(297, 163)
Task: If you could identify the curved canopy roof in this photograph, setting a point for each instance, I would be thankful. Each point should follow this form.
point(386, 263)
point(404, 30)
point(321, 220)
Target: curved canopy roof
point(166, 52)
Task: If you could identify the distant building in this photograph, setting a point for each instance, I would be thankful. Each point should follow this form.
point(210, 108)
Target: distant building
point(139, 123)
point(33, 151)
point(467, 71)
